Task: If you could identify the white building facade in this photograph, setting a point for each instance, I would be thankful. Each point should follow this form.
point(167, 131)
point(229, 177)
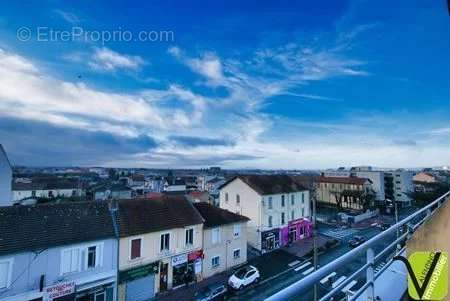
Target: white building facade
point(277, 206)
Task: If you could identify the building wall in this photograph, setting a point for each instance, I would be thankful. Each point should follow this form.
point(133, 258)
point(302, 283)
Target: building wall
point(224, 248)
point(301, 209)
point(326, 191)
point(433, 234)
point(5, 179)
point(48, 263)
point(377, 178)
point(256, 207)
point(22, 194)
point(250, 206)
point(151, 250)
point(402, 184)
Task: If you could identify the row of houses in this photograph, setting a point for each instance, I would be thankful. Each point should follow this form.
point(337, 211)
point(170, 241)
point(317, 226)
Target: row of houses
point(122, 250)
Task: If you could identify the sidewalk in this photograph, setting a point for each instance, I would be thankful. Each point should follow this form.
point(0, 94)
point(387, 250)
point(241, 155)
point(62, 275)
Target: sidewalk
point(269, 265)
point(187, 293)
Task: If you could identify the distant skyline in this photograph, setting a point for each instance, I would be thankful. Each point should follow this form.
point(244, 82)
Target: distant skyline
point(259, 84)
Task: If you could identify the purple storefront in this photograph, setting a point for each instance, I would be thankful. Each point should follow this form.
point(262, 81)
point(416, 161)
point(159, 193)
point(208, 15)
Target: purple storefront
point(296, 230)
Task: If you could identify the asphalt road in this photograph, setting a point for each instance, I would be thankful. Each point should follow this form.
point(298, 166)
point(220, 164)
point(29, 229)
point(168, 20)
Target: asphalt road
point(262, 291)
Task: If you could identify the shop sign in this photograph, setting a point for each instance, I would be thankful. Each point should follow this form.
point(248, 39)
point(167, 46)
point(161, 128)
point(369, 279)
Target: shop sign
point(138, 272)
point(195, 254)
point(60, 290)
point(179, 259)
point(198, 266)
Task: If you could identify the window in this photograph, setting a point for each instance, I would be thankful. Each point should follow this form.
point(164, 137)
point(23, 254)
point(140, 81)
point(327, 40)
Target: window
point(303, 212)
point(5, 273)
point(237, 253)
point(270, 221)
point(50, 194)
point(189, 236)
point(70, 261)
point(303, 198)
point(270, 202)
point(292, 215)
point(226, 197)
point(33, 193)
point(282, 200)
point(136, 248)
point(74, 192)
point(238, 199)
point(165, 242)
point(293, 199)
point(215, 235)
point(215, 261)
point(92, 257)
point(237, 230)
point(282, 218)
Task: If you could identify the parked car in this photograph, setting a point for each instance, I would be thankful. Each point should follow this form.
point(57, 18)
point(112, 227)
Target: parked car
point(356, 241)
point(244, 277)
point(384, 226)
point(211, 292)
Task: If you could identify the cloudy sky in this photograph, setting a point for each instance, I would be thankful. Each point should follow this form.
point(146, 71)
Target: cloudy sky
point(241, 85)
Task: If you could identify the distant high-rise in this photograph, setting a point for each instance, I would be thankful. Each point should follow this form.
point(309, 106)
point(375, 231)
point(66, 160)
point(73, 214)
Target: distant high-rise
point(5, 179)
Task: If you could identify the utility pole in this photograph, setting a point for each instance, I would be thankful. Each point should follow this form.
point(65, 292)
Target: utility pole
point(314, 221)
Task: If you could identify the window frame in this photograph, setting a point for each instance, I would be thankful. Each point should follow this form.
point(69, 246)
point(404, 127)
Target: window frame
point(239, 253)
point(78, 267)
point(161, 242)
point(218, 261)
point(191, 241)
point(99, 247)
point(218, 235)
point(237, 226)
point(10, 262)
point(131, 245)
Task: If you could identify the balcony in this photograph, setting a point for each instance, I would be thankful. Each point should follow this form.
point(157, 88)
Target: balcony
point(388, 283)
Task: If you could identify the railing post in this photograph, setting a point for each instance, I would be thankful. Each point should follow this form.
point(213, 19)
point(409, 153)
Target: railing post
point(370, 275)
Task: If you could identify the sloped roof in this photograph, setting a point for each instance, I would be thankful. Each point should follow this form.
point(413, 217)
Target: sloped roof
point(343, 180)
point(37, 227)
point(269, 184)
point(215, 216)
point(139, 216)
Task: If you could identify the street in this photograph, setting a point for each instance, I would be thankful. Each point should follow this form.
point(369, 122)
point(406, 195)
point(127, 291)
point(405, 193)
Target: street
point(267, 289)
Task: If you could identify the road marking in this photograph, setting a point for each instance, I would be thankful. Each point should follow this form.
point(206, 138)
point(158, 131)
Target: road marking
point(302, 266)
point(339, 281)
point(294, 263)
point(349, 286)
point(326, 278)
point(308, 271)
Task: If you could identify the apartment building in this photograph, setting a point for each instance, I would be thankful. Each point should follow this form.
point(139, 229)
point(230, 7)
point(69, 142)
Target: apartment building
point(224, 239)
point(277, 205)
point(160, 245)
point(57, 252)
point(343, 192)
point(399, 186)
point(377, 182)
point(5, 179)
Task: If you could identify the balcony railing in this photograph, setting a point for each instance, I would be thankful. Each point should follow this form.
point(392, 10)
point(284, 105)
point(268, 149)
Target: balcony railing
point(411, 223)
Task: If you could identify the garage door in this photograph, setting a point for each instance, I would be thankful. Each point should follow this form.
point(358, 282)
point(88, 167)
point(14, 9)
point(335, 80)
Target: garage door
point(141, 289)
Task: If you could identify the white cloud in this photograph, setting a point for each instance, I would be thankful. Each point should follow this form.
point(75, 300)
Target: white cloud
point(105, 59)
point(68, 16)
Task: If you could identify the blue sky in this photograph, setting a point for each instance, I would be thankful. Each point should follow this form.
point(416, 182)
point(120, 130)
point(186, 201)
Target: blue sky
point(259, 84)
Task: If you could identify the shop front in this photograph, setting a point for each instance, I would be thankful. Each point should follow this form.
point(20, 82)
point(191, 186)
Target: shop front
point(270, 240)
point(187, 268)
point(296, 230)
point(139, 282)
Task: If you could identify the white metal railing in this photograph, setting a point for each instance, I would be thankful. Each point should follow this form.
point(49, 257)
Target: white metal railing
point(412, 222)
